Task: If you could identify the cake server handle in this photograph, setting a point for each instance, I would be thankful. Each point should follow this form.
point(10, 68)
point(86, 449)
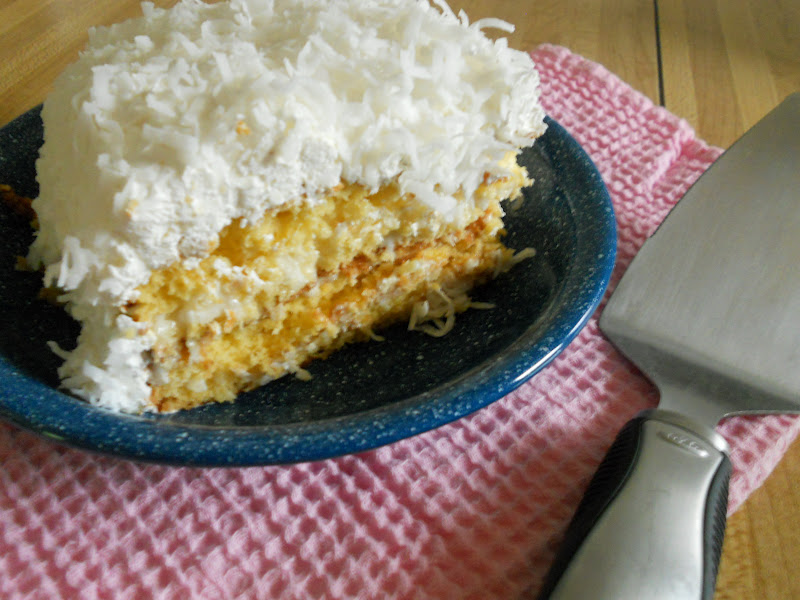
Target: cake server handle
point(652, 520)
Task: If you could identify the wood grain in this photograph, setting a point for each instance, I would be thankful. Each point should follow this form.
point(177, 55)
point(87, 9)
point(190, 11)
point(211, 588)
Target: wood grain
point(724, 64)
point(762, 544)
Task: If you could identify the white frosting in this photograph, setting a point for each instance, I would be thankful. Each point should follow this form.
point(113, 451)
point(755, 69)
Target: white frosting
point(170, 126)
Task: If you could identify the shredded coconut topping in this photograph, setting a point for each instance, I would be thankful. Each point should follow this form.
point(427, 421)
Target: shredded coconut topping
point(171, 126)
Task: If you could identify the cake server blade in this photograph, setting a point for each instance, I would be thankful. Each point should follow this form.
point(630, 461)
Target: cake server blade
point(709, 310)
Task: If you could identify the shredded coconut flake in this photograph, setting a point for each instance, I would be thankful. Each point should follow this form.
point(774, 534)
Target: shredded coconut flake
point(491, 23)
point(436, 315)
point(523, 254)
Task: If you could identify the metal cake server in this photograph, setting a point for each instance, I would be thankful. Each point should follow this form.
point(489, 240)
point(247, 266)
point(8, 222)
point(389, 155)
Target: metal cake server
point(709, 310)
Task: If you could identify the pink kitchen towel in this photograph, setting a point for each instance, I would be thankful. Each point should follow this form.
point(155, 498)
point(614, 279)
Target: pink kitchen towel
point(474, 509)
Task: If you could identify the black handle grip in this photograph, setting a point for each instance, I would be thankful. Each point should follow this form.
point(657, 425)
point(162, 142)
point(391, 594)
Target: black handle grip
point(716, 519)
point(609, 478)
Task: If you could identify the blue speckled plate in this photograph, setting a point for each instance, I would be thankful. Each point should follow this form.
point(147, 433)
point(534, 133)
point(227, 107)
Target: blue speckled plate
point(365, 395)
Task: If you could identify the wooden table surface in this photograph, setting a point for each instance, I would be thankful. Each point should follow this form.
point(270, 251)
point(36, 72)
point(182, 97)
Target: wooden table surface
point(719, 64)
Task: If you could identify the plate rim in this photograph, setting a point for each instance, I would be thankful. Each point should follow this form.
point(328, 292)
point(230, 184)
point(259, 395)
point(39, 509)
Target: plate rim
point(124, 436)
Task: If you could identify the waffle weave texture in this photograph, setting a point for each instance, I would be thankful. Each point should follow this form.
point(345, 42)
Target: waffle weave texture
point(474, 509)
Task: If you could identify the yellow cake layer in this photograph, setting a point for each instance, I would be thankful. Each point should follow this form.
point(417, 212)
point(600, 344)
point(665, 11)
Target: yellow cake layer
point(307, 279)
point(344, 308)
